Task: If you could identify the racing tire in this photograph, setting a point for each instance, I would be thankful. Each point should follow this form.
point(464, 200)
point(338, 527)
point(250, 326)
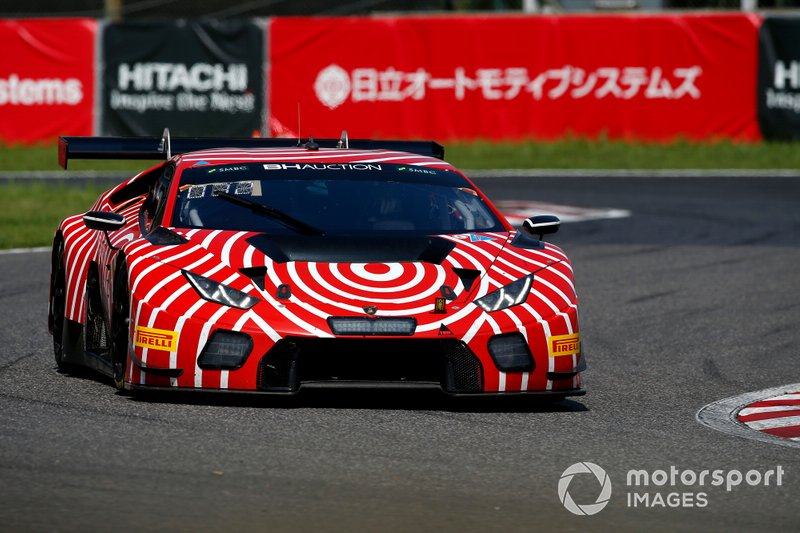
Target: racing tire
point(120, 326)
point(58, 304)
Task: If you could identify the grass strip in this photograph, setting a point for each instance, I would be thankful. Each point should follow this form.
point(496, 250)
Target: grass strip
point(563, 154)
point(605, 154)
point(30, 212)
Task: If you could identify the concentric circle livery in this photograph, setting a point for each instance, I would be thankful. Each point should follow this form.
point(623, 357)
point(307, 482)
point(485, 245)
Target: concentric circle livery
point(312, 290)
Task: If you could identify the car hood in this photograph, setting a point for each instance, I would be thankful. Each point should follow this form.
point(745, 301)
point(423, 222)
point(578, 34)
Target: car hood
point(363, 266)
point(361, 276)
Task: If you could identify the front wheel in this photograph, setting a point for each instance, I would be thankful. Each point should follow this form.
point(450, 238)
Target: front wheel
point(120, 326)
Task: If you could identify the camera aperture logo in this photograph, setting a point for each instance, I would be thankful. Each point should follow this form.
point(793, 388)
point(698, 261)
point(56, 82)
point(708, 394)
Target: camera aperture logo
point(589, 508)
point(668, 488)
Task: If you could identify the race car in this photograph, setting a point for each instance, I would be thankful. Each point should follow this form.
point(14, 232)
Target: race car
point(274, 265)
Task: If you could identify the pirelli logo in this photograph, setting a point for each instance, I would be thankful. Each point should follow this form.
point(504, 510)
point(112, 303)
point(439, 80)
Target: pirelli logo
point(156, 339)
point(563, 344)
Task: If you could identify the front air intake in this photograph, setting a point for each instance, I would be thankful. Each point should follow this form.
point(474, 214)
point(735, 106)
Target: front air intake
point(296, 360)
point(464, 371)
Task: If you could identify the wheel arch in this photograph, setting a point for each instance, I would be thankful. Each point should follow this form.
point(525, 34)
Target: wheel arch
point(70, 333)
point(80, 247)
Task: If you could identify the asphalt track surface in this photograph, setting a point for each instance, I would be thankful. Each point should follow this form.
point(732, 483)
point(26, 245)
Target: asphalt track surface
point(692, 299)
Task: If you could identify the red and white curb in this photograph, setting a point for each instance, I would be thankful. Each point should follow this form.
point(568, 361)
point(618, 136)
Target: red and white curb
point(769, 415)
point(778, 415)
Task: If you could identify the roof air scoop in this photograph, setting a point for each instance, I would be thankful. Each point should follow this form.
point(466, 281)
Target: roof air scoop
point(344, 141)
point(166, 144)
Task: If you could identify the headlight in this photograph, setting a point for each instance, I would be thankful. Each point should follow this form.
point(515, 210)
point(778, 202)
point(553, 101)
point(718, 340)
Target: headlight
point(217, 292)
point(504, 297)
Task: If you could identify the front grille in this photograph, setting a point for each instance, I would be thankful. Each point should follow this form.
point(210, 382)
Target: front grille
point(294, 360)
point(277, 371)
point(464, 371)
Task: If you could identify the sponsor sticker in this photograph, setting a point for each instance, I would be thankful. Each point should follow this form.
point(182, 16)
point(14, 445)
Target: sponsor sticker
point(245, 188)
point(478, 238)
point(156, 339)
point(558, 345)
point(196, 191)
point(217, 188)
point(321, 166)
point(418, 170)
point(227, 169)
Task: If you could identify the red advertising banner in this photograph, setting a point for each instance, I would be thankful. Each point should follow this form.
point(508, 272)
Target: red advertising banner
point(46, 78)
point(652, 77)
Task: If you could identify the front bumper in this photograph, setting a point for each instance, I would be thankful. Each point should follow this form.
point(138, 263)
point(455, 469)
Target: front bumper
point(285, 364)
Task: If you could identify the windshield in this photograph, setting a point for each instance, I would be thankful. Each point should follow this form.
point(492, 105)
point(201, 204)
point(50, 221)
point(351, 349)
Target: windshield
point(335, 198)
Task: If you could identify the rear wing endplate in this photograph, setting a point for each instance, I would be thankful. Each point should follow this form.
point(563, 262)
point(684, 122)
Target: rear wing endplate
point(165, 147)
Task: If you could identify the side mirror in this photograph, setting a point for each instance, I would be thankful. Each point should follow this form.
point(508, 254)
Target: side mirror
point(541, 225)
point(103, 220)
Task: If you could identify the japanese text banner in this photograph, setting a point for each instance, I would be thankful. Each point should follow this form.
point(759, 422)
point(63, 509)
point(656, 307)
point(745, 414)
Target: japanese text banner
point(46, 78)
point(472, 77)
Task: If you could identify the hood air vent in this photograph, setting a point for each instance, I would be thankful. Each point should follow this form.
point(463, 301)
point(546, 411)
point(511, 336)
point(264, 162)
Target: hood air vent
point(257, 274)
point(467, 276)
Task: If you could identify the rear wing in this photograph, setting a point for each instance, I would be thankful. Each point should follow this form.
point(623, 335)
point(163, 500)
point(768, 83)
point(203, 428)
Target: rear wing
point(165, 147)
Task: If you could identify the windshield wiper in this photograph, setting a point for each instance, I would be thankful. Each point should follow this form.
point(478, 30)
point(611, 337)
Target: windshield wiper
point(286, 219)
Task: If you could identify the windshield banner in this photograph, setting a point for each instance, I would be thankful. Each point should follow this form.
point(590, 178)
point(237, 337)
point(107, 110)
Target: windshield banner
point(46, 79)
point(199, 78)
point(650, 77)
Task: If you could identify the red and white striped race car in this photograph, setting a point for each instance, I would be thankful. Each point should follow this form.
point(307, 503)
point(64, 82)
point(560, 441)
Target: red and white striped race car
point(264, 265)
